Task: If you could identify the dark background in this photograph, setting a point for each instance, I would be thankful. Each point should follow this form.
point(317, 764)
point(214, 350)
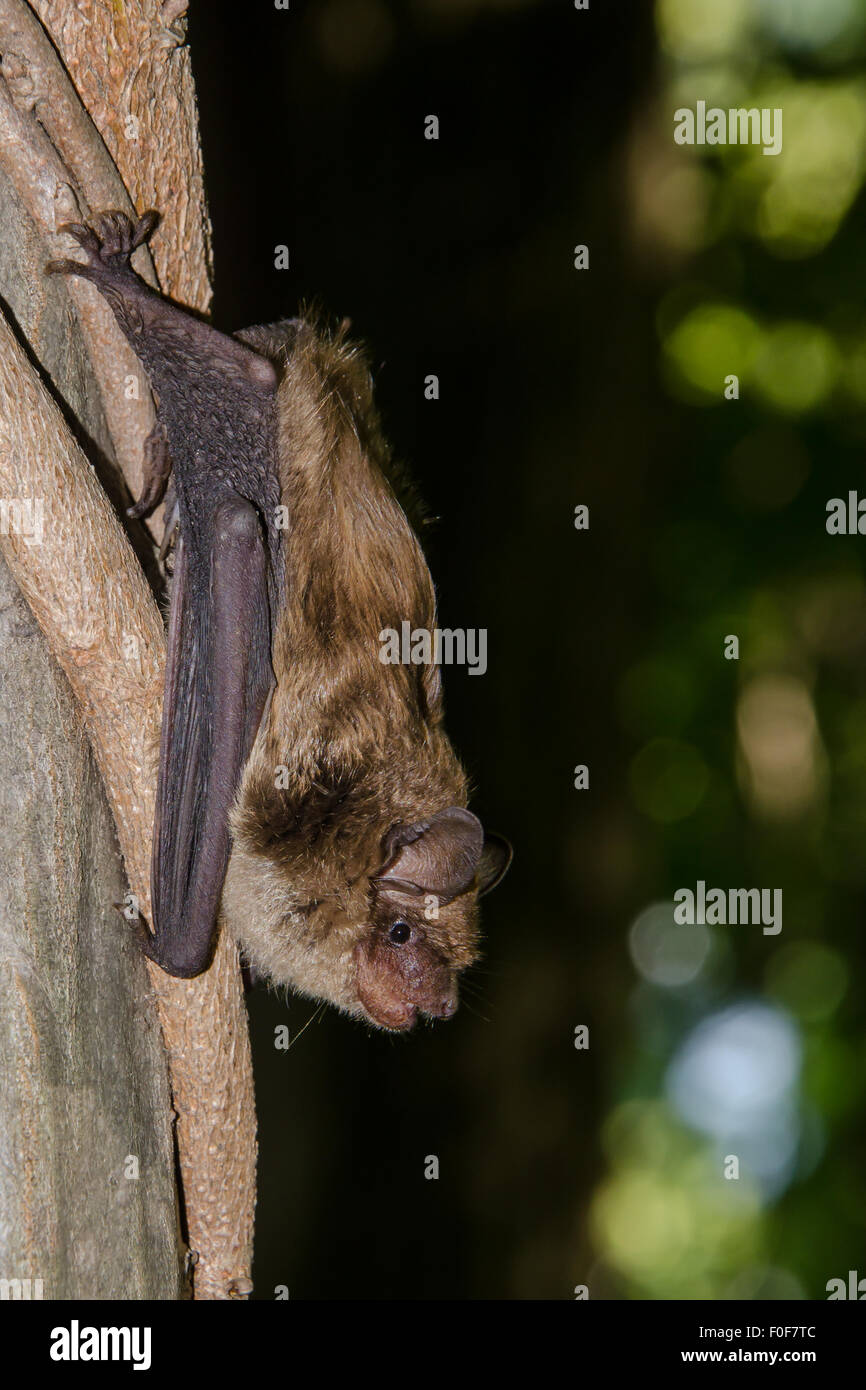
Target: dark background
point(456, 258)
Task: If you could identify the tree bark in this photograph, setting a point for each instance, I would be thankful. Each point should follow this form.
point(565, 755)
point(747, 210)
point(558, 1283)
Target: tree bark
point(103, 626)
point(88, 1207)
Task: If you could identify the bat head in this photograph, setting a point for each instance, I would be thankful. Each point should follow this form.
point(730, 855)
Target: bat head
point(423, 916)
point(388, 944)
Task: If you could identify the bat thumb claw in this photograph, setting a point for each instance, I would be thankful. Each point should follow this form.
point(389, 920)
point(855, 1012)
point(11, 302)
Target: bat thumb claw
point(145, 225)
point(65, 267)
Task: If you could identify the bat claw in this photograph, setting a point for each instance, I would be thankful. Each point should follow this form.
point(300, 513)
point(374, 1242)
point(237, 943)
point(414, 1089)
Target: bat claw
point(145, 226)
point(66, 267)
point(157, 467)
point(80, 232)
point(109, 242)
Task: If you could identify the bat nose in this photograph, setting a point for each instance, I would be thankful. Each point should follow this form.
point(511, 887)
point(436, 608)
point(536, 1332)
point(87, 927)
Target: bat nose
point(448, 1006)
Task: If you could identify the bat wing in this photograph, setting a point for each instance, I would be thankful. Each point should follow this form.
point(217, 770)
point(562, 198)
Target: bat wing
point(217, 682)
point(216, 398)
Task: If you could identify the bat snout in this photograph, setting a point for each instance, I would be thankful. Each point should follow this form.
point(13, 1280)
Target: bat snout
point(397, 982)
point(444, 1008)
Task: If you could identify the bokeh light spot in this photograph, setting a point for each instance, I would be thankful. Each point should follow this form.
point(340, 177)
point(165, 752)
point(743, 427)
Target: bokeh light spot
point(713, 342)
point(665, 952)
point(796, 367)
point(781, 765)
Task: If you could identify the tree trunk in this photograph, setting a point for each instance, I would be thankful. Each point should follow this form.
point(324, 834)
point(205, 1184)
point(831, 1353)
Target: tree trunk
point(87, 1194)
point(89, 1201)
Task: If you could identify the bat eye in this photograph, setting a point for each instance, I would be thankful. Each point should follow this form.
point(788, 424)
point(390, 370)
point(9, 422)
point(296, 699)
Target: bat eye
point(400, 932)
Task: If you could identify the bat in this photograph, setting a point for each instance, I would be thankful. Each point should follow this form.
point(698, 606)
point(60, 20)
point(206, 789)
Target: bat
point(308, 796)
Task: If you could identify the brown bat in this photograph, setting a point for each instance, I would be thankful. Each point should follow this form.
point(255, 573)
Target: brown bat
point(307, 791)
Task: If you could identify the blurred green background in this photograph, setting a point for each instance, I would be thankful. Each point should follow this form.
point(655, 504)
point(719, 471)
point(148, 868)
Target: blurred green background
point(600, 1166)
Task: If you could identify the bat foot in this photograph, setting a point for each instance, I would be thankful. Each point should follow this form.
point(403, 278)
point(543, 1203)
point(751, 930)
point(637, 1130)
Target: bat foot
point(157, 467)
point(109, 243)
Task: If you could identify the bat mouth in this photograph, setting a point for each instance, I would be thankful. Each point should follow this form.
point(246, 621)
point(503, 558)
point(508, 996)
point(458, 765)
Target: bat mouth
point(409, 1021)
point(401, 1018)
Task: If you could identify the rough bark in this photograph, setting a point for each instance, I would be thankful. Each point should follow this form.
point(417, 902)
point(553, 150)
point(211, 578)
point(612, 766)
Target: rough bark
point(82, 582)
point(87, 1193)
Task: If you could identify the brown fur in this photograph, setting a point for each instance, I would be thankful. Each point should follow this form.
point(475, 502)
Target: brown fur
point(362, 743)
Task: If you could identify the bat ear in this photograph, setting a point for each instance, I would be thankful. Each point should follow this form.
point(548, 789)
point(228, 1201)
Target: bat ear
point(496, 856)
point(439, 855)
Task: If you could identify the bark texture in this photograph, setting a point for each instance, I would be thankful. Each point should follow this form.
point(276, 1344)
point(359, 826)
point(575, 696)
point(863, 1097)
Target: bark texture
point(87, 1194)
point(124, 67)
